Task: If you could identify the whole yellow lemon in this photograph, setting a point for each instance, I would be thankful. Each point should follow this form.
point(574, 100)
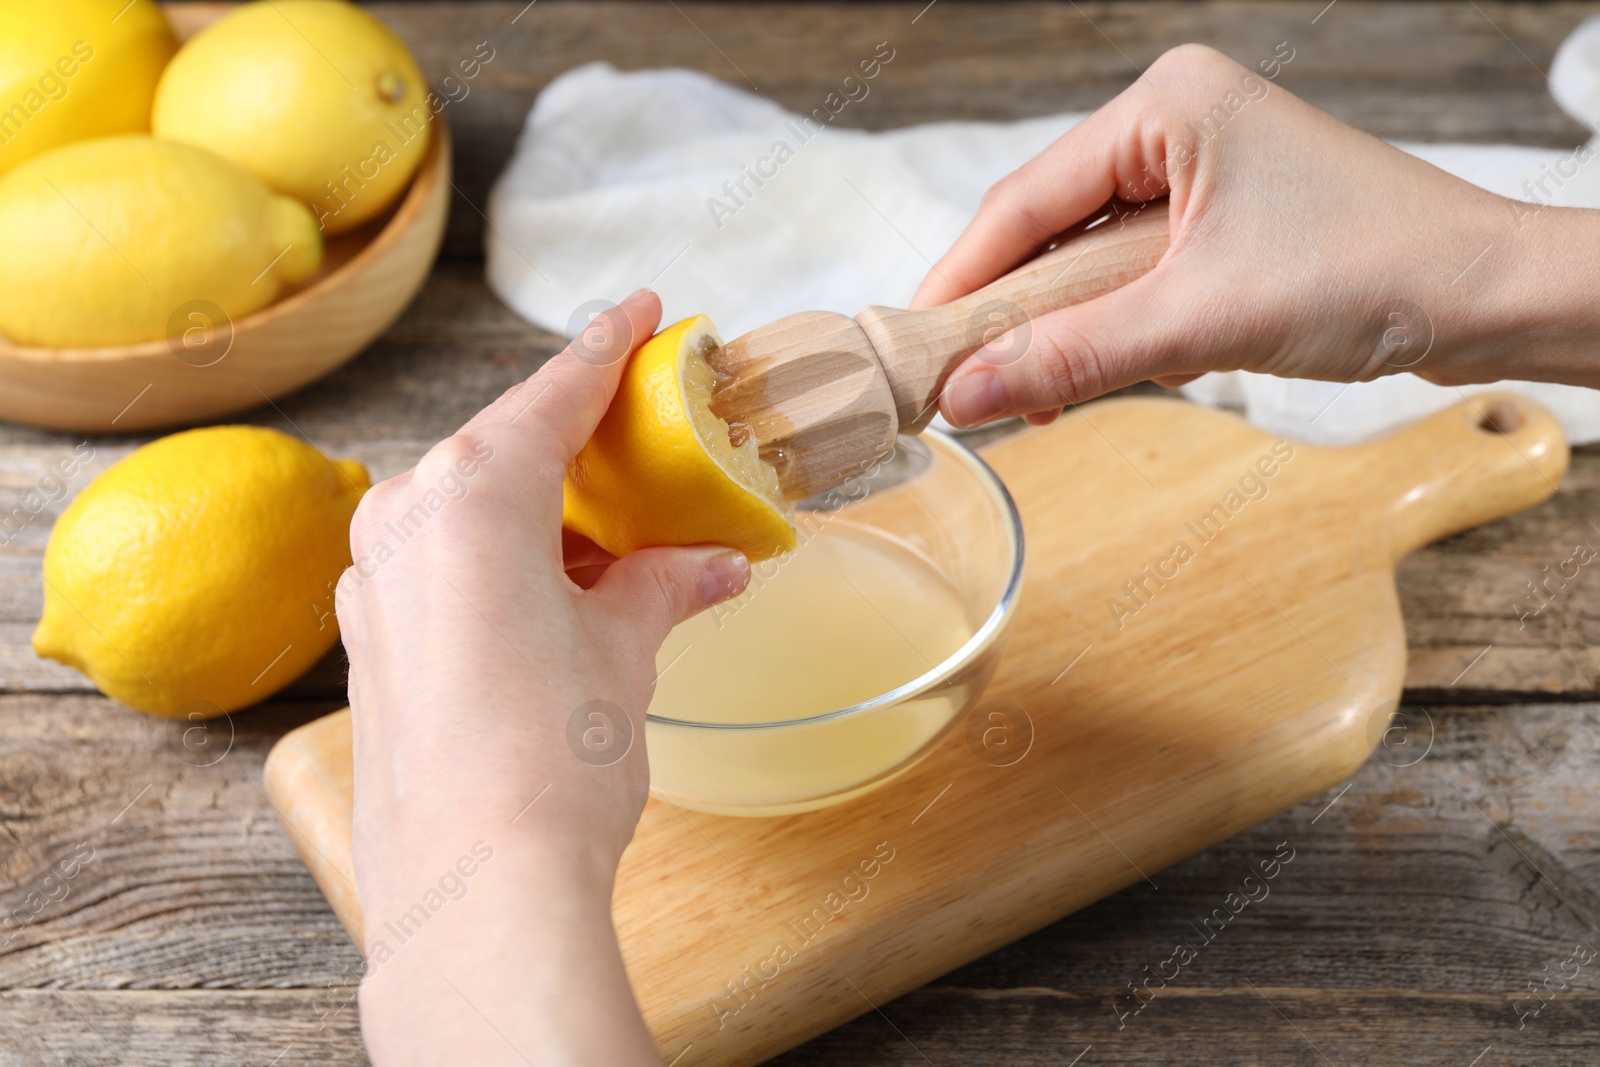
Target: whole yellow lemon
point(75, 69)
point(117, 240)
point(662, 469)
point(320, 99)
point(195, 576)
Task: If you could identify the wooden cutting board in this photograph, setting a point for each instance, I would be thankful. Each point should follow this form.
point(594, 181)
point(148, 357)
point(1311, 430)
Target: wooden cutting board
point(1208, 633)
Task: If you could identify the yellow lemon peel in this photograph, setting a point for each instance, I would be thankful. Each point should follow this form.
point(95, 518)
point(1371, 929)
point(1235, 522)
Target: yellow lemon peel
point(662, 469)
point(195, 576)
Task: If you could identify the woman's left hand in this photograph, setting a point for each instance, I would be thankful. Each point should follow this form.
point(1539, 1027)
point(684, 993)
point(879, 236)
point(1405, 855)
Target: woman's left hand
point(500, 669)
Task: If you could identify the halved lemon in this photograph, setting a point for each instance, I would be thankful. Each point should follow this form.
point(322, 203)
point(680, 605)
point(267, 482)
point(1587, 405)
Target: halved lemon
point(661, 469)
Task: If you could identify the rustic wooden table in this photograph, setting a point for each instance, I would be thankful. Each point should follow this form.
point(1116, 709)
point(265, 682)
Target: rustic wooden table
point(1457, 870)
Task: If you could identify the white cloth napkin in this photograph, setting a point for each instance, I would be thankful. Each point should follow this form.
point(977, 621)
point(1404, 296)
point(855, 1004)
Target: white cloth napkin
point(728, 204)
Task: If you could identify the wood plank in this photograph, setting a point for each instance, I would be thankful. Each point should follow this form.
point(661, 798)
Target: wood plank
point(1252, 1024)
point(1472, 625)
point(189, 879)
point(1401, 897)
point(136, 1028)
point(939, 1024)
point(1401, 835)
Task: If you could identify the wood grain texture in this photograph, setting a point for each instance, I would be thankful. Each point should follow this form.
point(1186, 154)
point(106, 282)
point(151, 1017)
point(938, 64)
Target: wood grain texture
point(811, 388)
point(920, 348)
point(1401, 933)
point(826, 395)
point(189, 880)
point(1470, 620)
point(1279, 632)
point(286, 1027)
point(1404, 928)
point(1433, 869)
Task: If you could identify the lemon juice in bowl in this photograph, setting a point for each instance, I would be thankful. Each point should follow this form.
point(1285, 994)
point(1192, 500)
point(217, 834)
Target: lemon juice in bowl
point(849, 616)
point(846, 660)
point(873, 617)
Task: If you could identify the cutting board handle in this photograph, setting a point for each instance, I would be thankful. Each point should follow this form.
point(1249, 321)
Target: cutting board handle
point(919, 349)
point(1489, 456)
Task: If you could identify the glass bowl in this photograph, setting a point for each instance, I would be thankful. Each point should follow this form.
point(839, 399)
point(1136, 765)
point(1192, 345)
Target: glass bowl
point(894, 606)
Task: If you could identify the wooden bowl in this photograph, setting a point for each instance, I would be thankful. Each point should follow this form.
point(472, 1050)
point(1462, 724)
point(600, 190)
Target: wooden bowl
point(366, 279)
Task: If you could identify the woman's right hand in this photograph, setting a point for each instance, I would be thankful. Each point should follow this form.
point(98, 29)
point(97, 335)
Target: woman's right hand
point(1301, 247)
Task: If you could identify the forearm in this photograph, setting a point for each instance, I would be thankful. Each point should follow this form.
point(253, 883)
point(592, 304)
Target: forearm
point(524, 968)
point(1534, 312)
point(1300, 248)
point(486, 836)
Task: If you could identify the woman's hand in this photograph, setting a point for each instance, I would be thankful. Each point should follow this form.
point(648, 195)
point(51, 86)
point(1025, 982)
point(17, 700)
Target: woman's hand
point(1300, 247)
point(499, 673)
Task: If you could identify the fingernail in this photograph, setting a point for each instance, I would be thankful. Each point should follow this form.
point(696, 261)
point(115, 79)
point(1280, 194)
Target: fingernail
point(638, 296)
point(726, 575)
point(976, 396)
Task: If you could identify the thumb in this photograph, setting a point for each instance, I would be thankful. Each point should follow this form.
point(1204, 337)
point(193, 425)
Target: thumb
point(1074, 354)
point(654, 589)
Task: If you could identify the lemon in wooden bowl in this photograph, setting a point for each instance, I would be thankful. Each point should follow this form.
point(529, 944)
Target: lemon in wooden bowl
point(75, 69)
point(317, 97)
point(101, 240)
point(212, 360)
